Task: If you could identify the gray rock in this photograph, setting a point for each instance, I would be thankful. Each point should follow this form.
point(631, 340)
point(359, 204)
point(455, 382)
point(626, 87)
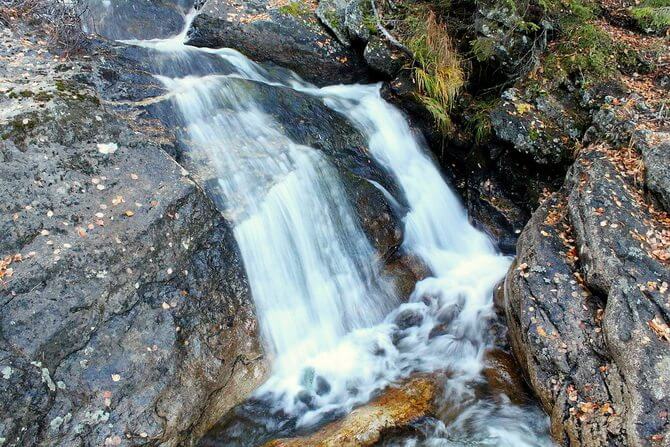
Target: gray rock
point(289, 36)
point(136, 19)
point(349, 20)
point(126, 317)
point(656, 157)
point(541, 128)
point(587, 306)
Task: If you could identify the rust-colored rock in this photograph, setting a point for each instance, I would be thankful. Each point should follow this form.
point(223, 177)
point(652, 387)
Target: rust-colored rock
point(395, 408)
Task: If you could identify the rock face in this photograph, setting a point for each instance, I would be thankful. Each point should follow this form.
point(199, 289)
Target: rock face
point(587, 306)
point(541, 129)
point(126, 315)
point(284, 33)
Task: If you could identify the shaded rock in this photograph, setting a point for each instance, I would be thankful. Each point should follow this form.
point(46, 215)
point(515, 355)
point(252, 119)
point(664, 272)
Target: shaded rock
point(397, 407)
point(385, 58)
point(126, 314)
point(655, 155)
point(284, 33)
point(501, 44)
point(133, 19)
point(541, 129)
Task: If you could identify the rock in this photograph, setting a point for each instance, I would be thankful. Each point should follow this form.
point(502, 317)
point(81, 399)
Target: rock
point(385, 58)
point(541, 129)
point(126, 314)
point(285, 33)
point(586, 302)
point(396, 408)
point(504, 376)
point(133, 19)
point(501, 44)
point(656, 156)
point(349, 20)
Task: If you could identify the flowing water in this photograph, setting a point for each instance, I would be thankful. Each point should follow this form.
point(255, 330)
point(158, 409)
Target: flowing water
point(335, 331)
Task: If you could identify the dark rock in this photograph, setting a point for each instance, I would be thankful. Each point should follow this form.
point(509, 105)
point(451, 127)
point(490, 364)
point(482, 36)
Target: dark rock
point(289, 36)
point(541, 129)
point(322, 386)
point(500, 44)
point(408, 318)
point(385, 58)
point(656, 157)
point(136, 19)
point(126, 316)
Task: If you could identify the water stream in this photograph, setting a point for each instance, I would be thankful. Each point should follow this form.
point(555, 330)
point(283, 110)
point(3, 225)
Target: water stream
point(335, 330)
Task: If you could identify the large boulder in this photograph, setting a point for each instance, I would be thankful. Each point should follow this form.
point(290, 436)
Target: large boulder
point(285, 33)
point(136, 19)
point(538, 126)
point(126, 314)
point(587, 305)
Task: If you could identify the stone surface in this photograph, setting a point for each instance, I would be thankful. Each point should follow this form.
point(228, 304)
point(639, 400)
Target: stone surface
point(285, 33)
point(126, 315)
point(655, 155)
point(396, 408)
point(541, 129)
point(136, 19)
point(587, 306)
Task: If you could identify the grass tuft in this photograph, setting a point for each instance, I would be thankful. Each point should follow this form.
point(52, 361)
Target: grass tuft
point(437, 67)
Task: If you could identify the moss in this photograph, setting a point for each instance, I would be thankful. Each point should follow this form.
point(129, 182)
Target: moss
point(477, 112)
point(19, 127)
point(333, 19)
point(295, 9)
point(652, 15)
point(483, 48)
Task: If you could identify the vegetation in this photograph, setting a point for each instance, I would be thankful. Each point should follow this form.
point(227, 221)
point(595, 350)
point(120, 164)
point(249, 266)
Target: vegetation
point(61, 20)
point(653, 15)
point(437, 67)
point(295, 9)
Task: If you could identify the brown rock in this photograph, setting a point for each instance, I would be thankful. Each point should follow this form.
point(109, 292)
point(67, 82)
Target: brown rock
point(395, 408)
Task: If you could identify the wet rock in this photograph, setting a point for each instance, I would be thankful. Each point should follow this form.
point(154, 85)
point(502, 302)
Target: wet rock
point(126, 314)
point(322, 386)
point(504, 376)
point(285, 33)
point(397, 407)
point(541, 128)
point(132, 19)
point(408, 318)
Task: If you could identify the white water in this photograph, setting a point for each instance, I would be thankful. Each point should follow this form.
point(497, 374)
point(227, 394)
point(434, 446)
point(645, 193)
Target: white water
point(324, 307)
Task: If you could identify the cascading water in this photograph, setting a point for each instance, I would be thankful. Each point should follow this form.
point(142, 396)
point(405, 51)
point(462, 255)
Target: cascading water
point(328, 316)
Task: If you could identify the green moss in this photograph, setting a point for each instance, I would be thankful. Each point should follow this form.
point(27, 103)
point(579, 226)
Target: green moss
point(483, 48)
point(333, 19)
point(652, 15)
point(295, 9)
point(19, 127)
point(583, 49)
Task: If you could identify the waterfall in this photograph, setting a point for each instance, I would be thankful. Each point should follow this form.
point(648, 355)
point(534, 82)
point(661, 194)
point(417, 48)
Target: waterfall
point(333, 327)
